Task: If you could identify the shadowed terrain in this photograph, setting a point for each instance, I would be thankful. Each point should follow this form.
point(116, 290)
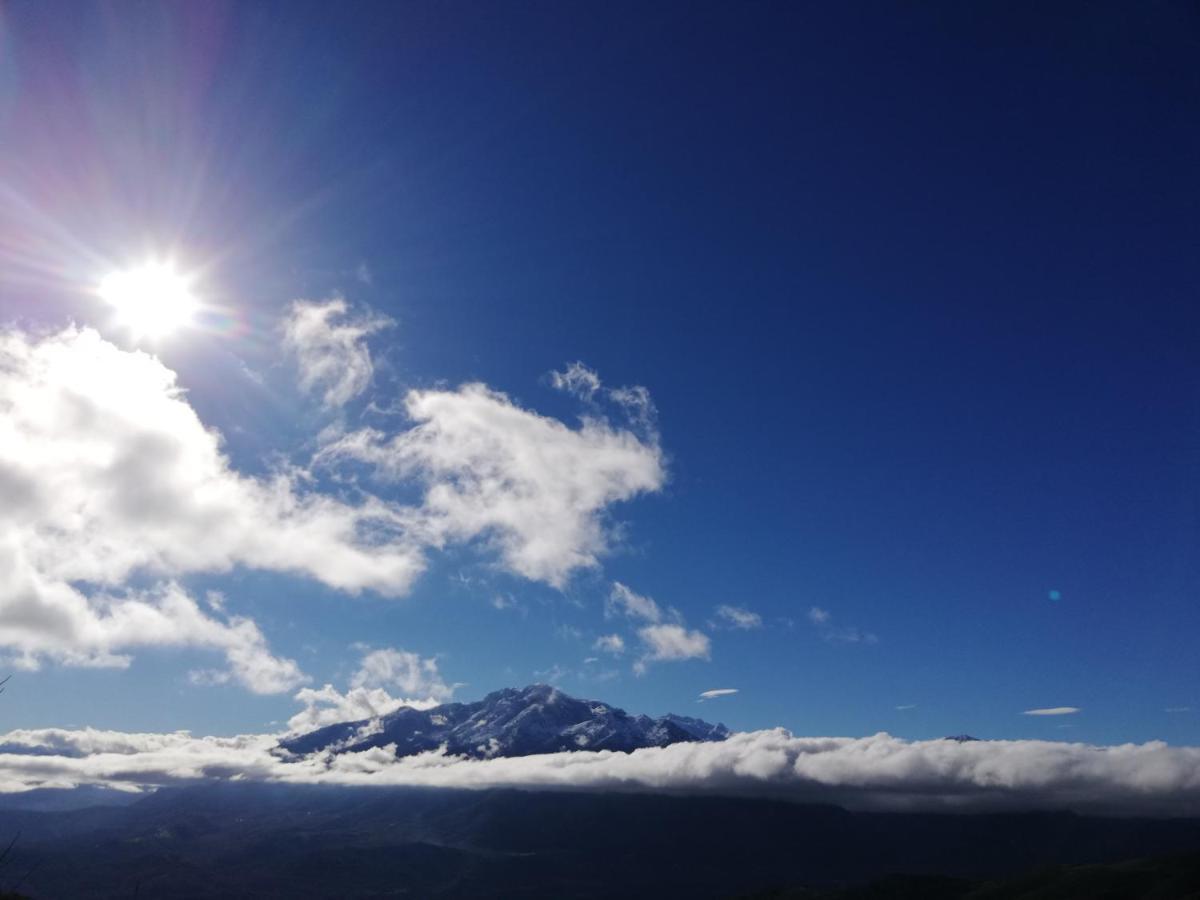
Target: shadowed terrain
point(254, 840)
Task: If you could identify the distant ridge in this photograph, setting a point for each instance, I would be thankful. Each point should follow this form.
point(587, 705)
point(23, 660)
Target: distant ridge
point(510, 722)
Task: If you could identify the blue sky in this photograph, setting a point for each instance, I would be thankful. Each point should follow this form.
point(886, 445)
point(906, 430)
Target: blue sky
point(912, 292)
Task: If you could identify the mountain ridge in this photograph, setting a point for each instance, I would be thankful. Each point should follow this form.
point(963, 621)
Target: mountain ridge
point(528, 721)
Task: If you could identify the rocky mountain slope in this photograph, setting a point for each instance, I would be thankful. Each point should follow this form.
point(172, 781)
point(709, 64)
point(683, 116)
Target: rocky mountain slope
point(510, 722)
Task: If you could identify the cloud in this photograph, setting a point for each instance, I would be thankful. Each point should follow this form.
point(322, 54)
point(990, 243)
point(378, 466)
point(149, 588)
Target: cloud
point(717, 692)
point(877, 772)
point(905, 707)
point(577, 379)
point(1053, 711)
point(610, 643)
point(671, 643)
point(633, 401)
point(665, 639)
point(107, 473)
point(532, 488)
point(330, 347)
point(108, 477)
point(414, 679)
point(401, 670)
point(624, 601)
point(739, 617)
point(838, 634)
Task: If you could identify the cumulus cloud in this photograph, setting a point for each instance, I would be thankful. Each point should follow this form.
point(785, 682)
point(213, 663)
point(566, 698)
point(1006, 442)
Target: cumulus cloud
point(108, 476)
point(875, 772)
point(717, 692)
point(386, 680)
point(610, 643)
point(1053, 711)
point(739, 617)
point(330, 348)
point(402, 670)
point(671, 643)
point(531, 487)
point(106, 472)
point(664, 639)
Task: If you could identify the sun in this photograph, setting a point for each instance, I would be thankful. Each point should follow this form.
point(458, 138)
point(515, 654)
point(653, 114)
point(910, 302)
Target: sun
point(152, 300)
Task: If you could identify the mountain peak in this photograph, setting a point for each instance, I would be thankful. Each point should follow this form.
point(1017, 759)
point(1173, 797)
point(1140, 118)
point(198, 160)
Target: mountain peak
point(538, 718)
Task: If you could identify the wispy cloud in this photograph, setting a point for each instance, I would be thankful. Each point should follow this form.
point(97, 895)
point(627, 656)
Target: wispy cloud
point(739, 617)
point(624, 601)
point(1053, 711)
point(329, 344)
point(838, 634)
point(717, 692)
point(634, 402)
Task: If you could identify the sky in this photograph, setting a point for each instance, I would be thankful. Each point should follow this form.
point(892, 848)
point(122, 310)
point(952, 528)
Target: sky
point(822, 366)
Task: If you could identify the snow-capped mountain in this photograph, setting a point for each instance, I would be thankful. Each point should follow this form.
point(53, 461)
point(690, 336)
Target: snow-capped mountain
point(510, 722)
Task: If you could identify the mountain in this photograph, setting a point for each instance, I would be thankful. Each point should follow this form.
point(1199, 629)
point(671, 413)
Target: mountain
point(510, 722)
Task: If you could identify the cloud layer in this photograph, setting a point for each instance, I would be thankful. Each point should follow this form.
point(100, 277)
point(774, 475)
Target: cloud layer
point(876, 772)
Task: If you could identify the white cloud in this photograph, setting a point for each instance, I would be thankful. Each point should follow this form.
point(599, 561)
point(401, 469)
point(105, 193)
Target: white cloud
point(665, 639)
point(1053, 711)
point(330, 348)
point(818, 616)
point(577, 379)
point(386, 680)
point(717, 692)
point(534, 489)
point(106, 473)
point(610, 643)
point(623, 601)
point(739, 617)
point(634, 402)
point(329, 706)
point(876, 772)
point(99, 631)
point(402, 670)
point(671, 643)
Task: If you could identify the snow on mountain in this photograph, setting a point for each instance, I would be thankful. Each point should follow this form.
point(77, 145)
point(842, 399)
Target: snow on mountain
point(509, 722)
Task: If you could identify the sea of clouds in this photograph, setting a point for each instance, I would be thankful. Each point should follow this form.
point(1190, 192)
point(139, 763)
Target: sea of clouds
point(878, 772)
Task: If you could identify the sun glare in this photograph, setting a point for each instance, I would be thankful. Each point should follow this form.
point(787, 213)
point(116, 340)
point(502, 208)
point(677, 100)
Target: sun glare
point(152, 300)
